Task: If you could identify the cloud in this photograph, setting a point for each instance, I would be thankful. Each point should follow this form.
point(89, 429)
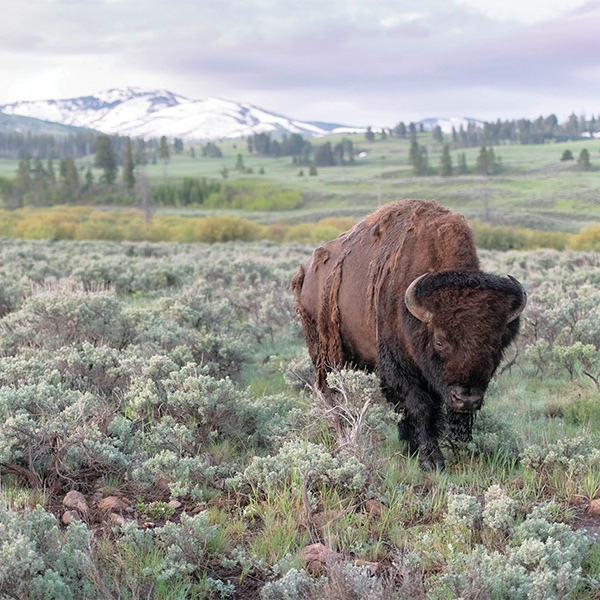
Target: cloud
point(530, 11)
point(353, 61)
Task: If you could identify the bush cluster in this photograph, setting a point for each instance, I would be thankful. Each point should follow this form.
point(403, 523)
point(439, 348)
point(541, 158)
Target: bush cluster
point(542, 558)
point(85, 223)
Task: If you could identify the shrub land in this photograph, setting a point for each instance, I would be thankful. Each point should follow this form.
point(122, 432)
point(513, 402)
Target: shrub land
point(159, 439)
point(86, 223)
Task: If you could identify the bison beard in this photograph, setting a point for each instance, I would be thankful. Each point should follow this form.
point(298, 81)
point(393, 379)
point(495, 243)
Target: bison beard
point(402, 293)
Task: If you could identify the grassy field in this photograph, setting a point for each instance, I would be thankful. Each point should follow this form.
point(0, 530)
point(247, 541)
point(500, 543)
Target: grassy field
point(534, 189)
point(167, 384)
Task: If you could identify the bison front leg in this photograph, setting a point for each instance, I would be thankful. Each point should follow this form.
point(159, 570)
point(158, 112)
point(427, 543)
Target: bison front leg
point(421, 407)
point(422, 413)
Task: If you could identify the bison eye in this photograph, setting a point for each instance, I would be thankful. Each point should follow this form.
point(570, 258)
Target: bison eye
point(438, 344)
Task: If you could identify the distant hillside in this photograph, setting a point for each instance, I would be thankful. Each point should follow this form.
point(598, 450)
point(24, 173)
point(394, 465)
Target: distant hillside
point(21, 124)
point(145, 113)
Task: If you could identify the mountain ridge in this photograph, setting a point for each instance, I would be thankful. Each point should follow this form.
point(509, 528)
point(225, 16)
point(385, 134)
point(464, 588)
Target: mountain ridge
point(141, 112)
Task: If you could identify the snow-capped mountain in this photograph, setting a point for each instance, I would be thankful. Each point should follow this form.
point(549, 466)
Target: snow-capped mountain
point(448, 124)
point(139, 112)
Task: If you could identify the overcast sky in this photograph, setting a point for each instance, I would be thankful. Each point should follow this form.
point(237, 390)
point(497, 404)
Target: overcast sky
point(355, 62)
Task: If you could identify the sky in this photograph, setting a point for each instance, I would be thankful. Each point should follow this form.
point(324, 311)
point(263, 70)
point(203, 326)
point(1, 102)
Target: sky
point(354, 62)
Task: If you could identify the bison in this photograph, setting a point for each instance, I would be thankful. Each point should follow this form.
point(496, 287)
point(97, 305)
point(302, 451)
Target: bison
point(401, 293)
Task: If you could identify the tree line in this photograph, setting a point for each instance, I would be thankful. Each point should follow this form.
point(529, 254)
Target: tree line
point(516, 131)
point(48, 182)
point(303, 152)
point(14, 144)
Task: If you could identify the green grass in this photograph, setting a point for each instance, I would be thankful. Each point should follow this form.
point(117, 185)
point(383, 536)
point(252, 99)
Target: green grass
point(535, 189)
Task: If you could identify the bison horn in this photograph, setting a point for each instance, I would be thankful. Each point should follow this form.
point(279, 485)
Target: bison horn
point(413, 305)
point(515, 313)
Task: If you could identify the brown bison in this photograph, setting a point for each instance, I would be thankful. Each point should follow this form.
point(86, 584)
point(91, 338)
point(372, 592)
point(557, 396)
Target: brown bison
point(402, 293)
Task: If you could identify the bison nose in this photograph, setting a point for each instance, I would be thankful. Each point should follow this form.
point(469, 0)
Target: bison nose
point(465, 400)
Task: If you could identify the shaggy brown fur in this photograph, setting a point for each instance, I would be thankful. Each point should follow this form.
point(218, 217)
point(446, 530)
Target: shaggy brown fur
point(350, 297)
point(402, 240)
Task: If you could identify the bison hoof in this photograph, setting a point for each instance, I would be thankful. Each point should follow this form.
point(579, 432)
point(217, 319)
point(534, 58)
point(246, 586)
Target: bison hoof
point(430, 465)
point(432, 461)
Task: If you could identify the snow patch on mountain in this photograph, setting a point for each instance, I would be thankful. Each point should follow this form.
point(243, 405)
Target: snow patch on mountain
point(139, 112)
point(448, 124)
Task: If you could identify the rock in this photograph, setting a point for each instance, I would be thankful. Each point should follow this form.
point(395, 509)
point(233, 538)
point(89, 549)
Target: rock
point(112, 504)
point(69, 516)
point(116, 519)
point(175, 504)
point(76, 500)
point(374, 507)
point(316, 557)
point(594, 507)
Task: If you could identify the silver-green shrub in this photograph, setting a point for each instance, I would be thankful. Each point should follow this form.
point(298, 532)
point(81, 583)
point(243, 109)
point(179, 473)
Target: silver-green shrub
point(542, 560)
point(210, 408)
point(293, 585)
point(38, 561)
point(500, 510)
point(178, 550)
point(463, 511)
point(297, 459)
point(60, 318)
point(576, 455)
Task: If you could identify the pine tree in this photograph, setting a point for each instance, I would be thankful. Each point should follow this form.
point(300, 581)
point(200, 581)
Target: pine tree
point(324, 155)
point(313, 170)
point(400, 130)
point(164, 154)
point(50, 172)
point(418, 159)
point(23, 184)
point(239, 165)
point(69, 180)
point(369, 135)
point(39, 187)
point(128, 167)
point(492, 165)
point(462, 164)
point(412, 132)
point(105, 158)
point(567, 155)
point(140, 152)
point(89, 179)
point(437, 134)
point(446, 162)
point(583, 160)
point(481, 167)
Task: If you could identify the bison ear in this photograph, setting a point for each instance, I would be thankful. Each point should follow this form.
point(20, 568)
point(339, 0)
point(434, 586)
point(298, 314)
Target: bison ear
point(413, 305)
point(515, 313)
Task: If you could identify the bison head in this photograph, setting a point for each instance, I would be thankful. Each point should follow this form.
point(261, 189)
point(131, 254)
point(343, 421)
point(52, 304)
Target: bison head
point(469, 319)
